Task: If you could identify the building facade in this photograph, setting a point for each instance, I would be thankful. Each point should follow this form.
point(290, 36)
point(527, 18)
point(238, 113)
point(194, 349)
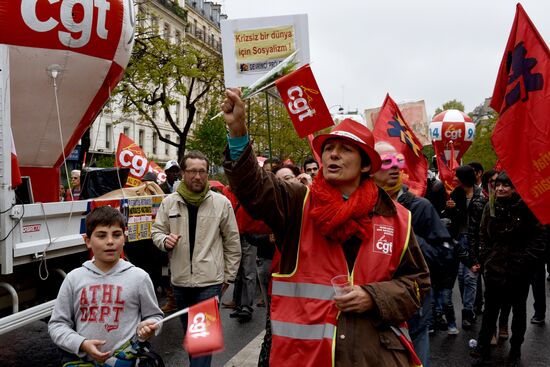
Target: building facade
point(176, 20)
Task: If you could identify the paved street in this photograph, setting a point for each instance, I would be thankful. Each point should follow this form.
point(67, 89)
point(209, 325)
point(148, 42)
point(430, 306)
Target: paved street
point(31, 346)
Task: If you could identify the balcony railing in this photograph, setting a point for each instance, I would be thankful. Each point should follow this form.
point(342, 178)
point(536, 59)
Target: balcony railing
point(199, 35)
point(175, 9)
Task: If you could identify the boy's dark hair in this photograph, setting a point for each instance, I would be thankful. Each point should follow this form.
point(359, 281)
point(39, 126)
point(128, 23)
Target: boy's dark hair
point(104, 216)
point(478, 167)
point(193, 154)
point(466, 175)
point(309, 160)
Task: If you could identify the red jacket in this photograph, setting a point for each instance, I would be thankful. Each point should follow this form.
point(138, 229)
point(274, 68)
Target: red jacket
point(245, 222)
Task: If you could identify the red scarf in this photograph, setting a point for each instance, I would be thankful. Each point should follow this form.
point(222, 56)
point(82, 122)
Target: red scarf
point(339, 219)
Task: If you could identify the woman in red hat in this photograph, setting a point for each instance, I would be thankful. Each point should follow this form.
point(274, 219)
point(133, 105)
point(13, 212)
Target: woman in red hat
point(342, 225)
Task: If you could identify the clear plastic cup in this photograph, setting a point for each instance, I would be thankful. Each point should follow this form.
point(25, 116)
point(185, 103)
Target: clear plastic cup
point(341, 284)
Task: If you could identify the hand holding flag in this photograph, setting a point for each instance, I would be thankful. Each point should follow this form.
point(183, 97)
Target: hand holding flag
point(204, 333)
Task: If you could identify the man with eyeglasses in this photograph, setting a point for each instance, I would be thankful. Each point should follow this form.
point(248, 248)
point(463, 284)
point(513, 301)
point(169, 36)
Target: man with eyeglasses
point(74, 192)
point(197, 227)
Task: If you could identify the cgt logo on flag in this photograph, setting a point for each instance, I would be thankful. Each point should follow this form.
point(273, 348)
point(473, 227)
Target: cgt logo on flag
point(304, 102)
point(204, 331)
point(130, 155)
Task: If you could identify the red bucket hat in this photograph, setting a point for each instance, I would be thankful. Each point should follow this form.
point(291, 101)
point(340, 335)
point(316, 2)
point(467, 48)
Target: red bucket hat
point(355, 133)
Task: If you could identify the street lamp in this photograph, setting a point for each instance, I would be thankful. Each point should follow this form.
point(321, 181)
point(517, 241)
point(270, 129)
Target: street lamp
point(340, 109)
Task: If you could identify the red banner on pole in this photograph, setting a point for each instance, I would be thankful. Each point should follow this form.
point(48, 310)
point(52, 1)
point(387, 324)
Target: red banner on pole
point(446, 168)
point(390, 126)
point(204, 329)
point(521, 137)
point(304, 102)
point(130, 155)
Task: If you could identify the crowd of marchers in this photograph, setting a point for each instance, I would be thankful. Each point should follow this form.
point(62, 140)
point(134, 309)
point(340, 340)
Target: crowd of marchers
point(291, 231)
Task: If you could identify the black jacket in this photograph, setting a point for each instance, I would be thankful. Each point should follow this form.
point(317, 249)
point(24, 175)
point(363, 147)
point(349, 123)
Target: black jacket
point(436, 244)
point(471, 214)
point(511, 242)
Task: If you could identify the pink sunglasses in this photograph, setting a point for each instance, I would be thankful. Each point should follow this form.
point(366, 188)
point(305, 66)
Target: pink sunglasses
point(390, 160)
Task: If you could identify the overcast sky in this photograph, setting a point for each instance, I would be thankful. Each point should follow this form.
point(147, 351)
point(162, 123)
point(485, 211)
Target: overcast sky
point(436, 50)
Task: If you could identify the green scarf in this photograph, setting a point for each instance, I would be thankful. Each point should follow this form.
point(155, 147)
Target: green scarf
point(193, 198)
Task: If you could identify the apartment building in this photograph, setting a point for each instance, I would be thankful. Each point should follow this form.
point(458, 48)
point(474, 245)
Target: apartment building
point(176, 20)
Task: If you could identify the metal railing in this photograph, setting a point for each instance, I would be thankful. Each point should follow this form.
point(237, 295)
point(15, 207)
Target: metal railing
point(175, 9)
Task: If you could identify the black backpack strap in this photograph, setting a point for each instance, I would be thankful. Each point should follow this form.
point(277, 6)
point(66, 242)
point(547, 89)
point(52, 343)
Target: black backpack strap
point(150, 359)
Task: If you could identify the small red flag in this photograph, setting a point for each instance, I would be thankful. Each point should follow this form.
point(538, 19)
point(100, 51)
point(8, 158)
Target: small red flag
point(204, 329)
point(304, 102)
point(521, 137)
point(390, 126)
point(446, 168)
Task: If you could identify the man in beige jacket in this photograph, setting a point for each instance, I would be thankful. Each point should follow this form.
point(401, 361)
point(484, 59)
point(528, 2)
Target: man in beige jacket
point(197, 227)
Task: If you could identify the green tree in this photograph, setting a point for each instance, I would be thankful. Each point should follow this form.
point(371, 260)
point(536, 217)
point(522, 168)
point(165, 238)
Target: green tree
point(104, 161)
point(429, 153)
point(160, 74)
point(210, 137)
point(481, 149)
point(285, 143)
point(450, 105)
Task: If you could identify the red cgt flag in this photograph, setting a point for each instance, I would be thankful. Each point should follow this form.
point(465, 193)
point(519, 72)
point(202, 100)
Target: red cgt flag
point(204, 329)
point(390, 126)
point(129, 154)
point(521, 137)
point(304, 102)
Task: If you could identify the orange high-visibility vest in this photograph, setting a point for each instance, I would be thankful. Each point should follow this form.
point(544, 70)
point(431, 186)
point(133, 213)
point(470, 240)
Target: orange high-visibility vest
point(303, 312)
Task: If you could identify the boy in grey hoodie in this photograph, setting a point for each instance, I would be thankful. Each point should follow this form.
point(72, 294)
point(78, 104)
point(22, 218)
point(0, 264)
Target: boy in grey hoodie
point(100, 304)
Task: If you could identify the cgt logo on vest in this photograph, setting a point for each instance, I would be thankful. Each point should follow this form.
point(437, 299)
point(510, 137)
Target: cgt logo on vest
point(383, 239)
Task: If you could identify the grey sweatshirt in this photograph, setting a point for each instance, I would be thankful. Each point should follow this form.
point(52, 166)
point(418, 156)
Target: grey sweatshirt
point(107, 306)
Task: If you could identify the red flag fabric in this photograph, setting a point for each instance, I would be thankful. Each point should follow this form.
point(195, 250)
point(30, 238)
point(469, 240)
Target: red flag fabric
point(304, 102)
point(204, 329)
point(446, 169)
point(390, 126)
point(521, 137)
point(15, 171)
point(130, 155)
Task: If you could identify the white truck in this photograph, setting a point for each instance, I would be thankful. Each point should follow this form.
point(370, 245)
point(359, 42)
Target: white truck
point(55, 75)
